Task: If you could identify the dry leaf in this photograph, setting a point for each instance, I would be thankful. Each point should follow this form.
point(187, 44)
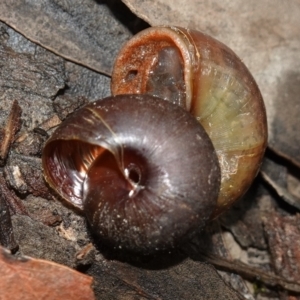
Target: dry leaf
point(27, 278)
point(76, 32)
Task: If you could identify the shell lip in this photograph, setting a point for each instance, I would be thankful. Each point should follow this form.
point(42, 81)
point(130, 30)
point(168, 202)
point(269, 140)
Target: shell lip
point(179, 37)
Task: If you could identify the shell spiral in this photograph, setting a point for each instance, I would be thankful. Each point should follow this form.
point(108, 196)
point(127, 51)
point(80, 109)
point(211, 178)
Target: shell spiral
point(143, 170)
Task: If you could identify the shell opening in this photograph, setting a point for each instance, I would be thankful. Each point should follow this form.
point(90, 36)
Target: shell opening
point(166, 78)
point(154, 64)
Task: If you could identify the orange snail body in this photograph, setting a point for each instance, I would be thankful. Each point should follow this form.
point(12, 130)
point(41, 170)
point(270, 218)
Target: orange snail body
point(149, 172)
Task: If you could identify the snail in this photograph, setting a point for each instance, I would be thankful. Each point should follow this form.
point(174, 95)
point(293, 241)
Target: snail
point(179, 141)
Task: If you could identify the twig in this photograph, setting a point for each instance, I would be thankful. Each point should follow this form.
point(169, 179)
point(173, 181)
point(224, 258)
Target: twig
point(251, 273)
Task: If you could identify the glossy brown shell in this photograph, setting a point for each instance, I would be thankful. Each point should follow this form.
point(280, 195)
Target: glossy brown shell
point(213, 85)
point(142, 169)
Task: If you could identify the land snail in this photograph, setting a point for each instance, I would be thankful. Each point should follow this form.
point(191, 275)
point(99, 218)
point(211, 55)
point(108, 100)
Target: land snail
point(182, 138)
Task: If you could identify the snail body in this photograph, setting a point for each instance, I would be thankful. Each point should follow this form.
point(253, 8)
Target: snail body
point(181, 139)
point(206, 78)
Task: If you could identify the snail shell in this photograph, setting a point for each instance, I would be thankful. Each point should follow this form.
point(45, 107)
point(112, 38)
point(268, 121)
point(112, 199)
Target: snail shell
point(143, 170)
point(206, 78)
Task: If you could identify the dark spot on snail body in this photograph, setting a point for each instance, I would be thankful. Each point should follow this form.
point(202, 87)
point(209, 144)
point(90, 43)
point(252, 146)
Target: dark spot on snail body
point(143, 170)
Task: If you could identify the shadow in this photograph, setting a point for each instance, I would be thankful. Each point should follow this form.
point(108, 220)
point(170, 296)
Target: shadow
point(284, 161)
point(238, 210)
point(277, 168)
point(124, 15)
